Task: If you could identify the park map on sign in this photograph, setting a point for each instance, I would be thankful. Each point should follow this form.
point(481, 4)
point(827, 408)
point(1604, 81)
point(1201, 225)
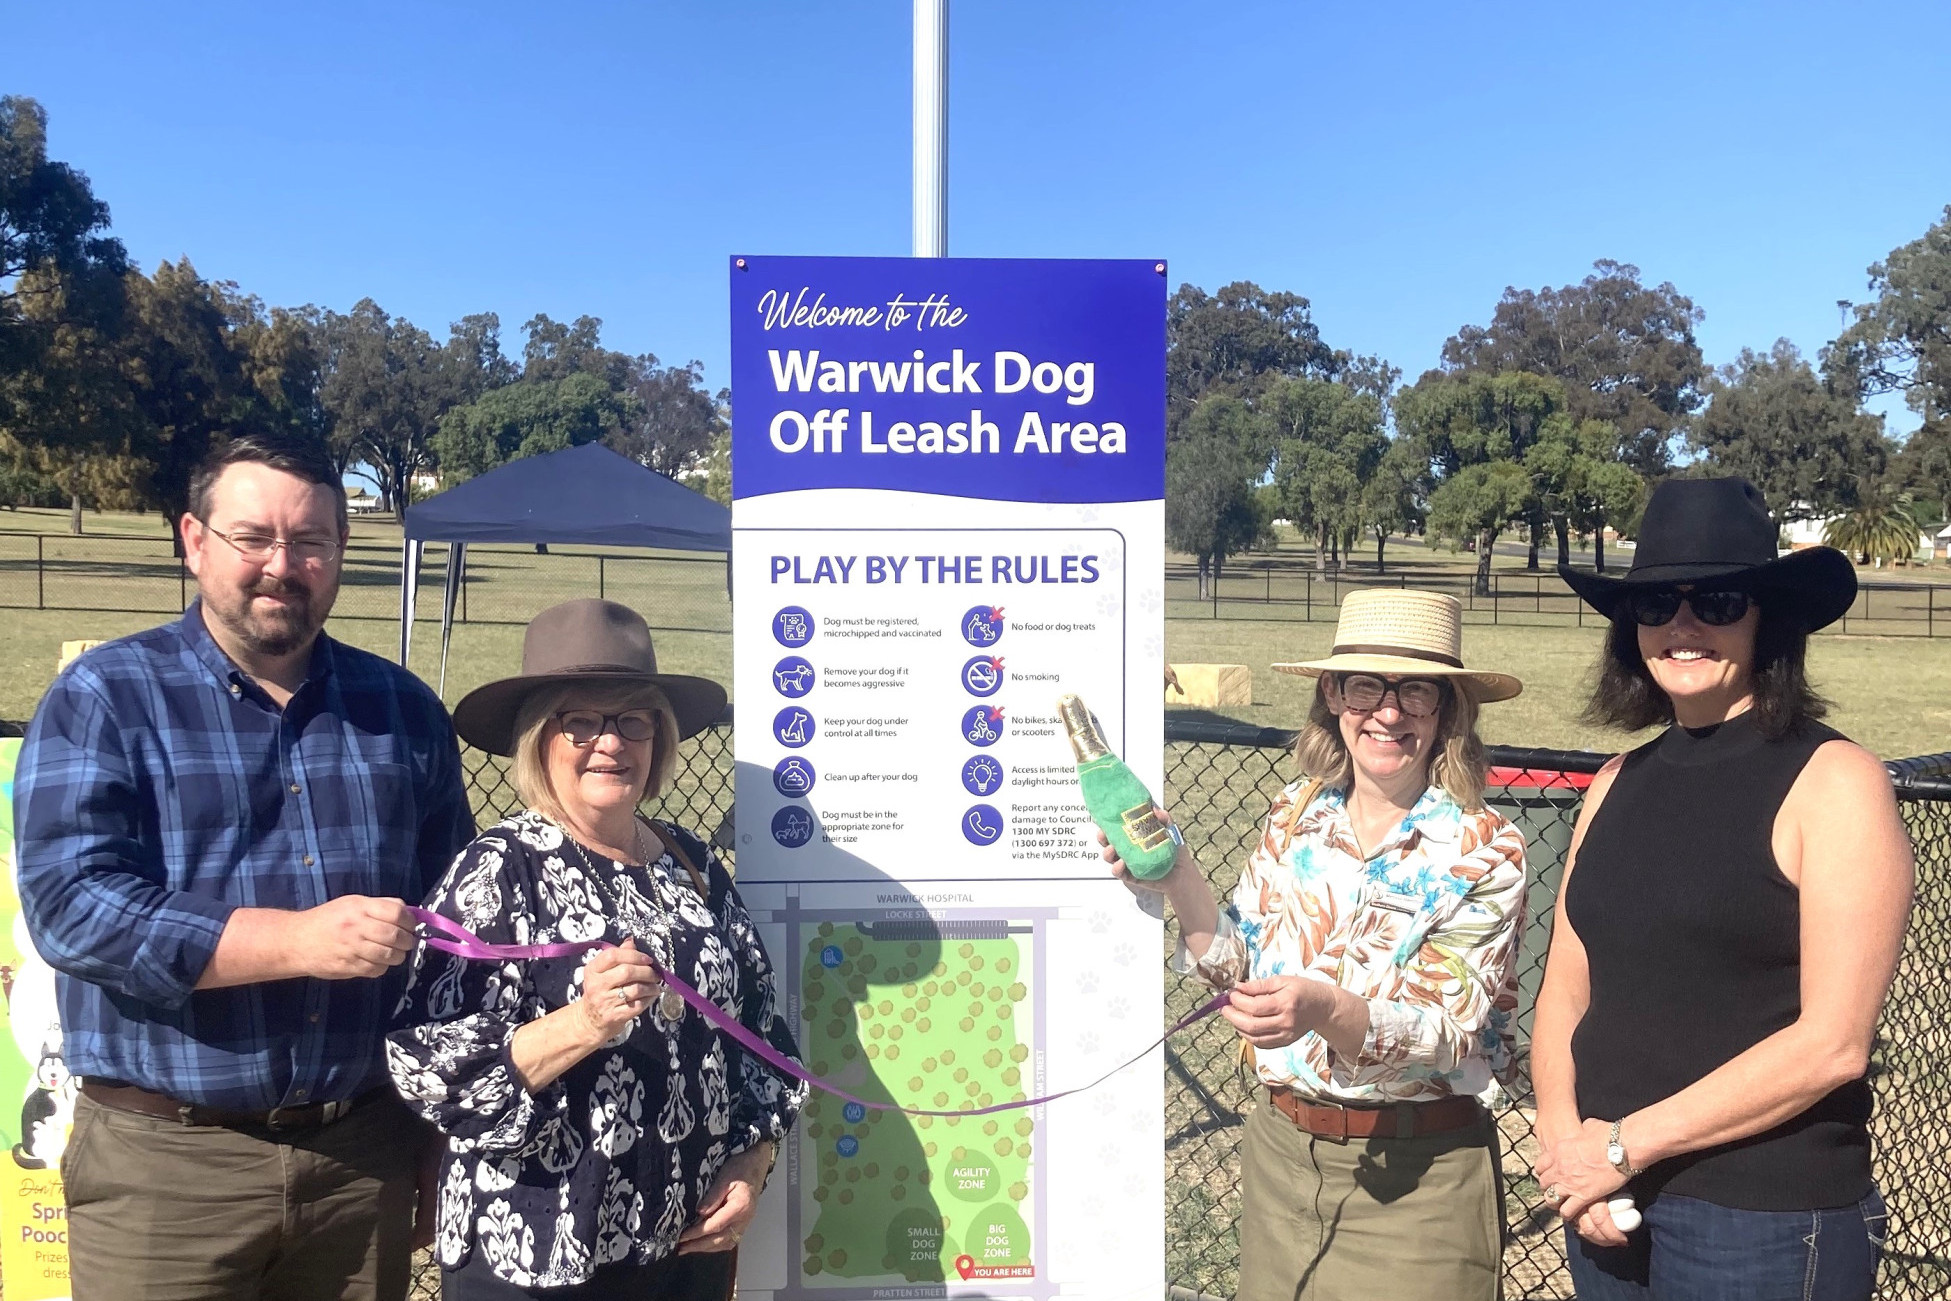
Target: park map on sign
point(931, 1022)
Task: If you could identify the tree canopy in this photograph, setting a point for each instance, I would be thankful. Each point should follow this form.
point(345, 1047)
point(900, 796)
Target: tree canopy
point(1624, 350)
point(114, 383)
point(1802, 442)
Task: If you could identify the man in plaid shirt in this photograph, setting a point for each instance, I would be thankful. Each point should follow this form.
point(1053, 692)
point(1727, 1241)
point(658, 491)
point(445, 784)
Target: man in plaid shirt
point(220, 823)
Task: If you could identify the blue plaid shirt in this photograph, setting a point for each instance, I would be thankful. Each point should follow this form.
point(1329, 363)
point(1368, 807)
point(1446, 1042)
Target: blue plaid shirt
point(158, 789)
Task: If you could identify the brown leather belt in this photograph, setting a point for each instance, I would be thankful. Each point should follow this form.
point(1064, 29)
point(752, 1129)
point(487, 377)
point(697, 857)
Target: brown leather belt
point(1399, 1120)
point(127, 1097)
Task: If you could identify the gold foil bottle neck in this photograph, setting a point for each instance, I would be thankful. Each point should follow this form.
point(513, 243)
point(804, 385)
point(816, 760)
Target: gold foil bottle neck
point(1086, 738)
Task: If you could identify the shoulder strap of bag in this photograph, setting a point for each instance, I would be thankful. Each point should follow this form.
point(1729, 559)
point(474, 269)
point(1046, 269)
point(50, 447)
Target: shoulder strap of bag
point(669, 835)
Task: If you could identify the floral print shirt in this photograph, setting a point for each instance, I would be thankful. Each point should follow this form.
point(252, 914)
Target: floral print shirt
point(1426, 929)
point(612, 1160)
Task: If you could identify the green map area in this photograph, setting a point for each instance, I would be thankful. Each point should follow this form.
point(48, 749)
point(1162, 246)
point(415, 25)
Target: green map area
point(922, 1024)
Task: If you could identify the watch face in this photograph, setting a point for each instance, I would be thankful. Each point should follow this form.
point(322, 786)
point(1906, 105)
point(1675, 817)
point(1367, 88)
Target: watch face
point(1615, 1153)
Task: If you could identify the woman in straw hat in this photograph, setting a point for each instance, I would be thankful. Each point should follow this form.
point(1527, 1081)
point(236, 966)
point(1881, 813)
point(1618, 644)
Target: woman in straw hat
point(1732, 910)
point(1371, 949)
point(602, 1139)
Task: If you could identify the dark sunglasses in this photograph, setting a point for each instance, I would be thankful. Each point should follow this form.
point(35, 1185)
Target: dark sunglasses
point(583, 726)
point(1365, 692)
point(1717, 608)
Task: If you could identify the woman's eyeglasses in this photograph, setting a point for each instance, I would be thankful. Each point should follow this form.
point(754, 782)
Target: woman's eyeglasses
point(1364, 693)
point(583, 726)
point(1717, 609)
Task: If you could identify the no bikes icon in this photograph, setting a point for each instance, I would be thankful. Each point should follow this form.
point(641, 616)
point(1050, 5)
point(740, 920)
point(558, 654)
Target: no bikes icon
point(982, 725)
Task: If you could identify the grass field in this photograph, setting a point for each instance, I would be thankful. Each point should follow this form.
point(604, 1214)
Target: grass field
point(1892, 693)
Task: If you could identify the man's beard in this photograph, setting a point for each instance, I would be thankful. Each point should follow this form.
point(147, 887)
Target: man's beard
point(278, 630)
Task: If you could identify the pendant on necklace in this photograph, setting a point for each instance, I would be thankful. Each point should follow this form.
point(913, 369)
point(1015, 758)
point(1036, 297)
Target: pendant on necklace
point(670, 1006)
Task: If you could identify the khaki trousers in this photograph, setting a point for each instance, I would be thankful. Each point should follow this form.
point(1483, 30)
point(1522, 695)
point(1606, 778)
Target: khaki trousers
point(159, 1211)
point(1419, 1219)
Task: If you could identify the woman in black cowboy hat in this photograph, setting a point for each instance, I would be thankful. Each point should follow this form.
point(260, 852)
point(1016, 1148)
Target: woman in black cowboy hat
point(602, 1139)
point(1731, 914)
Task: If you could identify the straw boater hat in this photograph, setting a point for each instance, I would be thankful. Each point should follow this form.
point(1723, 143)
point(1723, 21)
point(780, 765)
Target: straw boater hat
point(1400, 632)
point(586, 641)
point(1716, 531)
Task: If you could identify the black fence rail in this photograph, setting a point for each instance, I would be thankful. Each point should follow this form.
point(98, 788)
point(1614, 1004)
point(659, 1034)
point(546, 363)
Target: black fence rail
point(501, 584)
point(1287, 592)
point(505, 584)
point(1220, 779)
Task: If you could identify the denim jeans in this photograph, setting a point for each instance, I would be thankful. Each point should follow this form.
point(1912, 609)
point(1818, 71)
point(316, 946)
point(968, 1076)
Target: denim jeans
point(1690, 1250)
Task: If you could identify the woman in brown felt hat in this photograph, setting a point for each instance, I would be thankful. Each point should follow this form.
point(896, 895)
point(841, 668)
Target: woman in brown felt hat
point(601, 1137)
point(1371, 947)
point(1732, 910)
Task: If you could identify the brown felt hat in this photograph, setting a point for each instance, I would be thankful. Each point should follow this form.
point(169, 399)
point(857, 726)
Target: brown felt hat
point(587, 640)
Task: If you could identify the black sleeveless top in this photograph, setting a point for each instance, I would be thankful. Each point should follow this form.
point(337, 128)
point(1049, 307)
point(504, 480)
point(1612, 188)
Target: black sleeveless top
point(1693, 939)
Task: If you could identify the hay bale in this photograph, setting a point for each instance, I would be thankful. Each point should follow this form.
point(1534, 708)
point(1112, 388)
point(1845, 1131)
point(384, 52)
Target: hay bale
point(1209, 686)
point(71, 651)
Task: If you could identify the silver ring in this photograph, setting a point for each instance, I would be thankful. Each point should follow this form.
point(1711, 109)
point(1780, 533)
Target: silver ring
point(1552, 1194)
point(622, 995)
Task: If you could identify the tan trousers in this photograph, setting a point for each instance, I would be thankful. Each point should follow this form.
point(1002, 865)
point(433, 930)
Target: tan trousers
point(159, 1211)
point(1419, 1219)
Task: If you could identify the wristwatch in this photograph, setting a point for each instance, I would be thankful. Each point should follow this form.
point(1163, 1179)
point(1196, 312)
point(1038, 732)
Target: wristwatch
point(1616, 1152)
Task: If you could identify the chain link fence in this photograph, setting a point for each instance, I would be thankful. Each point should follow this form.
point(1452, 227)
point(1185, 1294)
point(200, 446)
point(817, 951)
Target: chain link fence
point(502, 584)
point(1221, 777)
point(1289, 591)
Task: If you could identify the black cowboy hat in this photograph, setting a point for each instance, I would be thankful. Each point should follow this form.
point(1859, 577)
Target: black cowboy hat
point(584, 641)
point(1709, 530)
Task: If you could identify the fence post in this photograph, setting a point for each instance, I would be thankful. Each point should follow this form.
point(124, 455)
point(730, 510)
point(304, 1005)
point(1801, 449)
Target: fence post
point(1270, 583)
point(182, 583)
point(1310, 596)
point(40, 571)
point(601, 591)
point(1930, 603)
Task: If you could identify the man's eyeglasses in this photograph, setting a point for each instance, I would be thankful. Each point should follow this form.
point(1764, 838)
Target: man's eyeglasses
point(260, 547)
point(1657, 606)
point(1364, 693)
point(583, 726)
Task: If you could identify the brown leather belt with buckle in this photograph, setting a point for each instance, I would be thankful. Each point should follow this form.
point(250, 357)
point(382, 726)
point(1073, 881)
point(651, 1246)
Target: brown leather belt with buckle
point(1398, 1120)
point(127, 1097)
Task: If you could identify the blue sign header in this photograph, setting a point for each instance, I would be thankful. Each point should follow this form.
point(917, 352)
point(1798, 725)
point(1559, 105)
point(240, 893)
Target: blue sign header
point(1008, 379)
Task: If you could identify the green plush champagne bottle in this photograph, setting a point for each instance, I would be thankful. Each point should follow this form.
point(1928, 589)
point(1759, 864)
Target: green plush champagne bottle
point(1117, 801)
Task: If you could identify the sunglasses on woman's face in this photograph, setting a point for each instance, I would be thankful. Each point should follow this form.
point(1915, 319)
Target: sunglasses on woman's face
point(1657, 607)
point(1364, 693)
point(583, 726)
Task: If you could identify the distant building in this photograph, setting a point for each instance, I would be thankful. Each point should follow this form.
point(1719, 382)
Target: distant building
point(1806, 532)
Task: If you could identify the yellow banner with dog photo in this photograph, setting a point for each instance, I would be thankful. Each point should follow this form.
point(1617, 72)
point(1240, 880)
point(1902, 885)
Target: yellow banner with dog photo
point(37, 1096)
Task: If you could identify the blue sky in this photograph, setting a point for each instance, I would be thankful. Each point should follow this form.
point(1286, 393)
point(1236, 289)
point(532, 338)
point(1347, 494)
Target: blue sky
point(1397, 164)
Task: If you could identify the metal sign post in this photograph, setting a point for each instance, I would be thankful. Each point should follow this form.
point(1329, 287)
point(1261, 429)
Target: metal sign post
point(931, 128)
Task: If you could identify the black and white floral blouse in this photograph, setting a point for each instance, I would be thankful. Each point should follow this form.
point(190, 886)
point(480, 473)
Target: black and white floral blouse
point(611, 1161)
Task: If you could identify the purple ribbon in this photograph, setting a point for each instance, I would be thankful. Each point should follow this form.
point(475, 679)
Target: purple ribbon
point(449, 936)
